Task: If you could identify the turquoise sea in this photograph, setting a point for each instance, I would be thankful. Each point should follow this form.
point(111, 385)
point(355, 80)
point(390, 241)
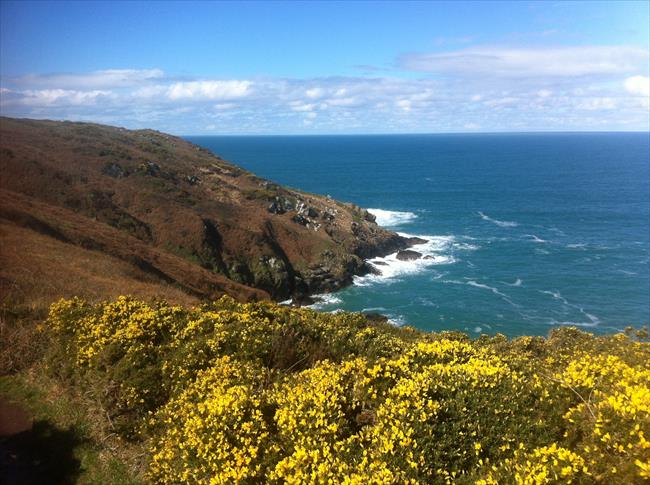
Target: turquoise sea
point(527, 231)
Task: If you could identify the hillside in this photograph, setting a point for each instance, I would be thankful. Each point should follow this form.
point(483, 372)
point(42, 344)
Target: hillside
point(94, 210)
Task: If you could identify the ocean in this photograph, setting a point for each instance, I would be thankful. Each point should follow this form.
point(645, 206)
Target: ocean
point(527, 232)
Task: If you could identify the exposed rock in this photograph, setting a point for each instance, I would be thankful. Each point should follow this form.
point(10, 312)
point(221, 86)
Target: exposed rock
point(329, 215)
point(276, 208)
point(300, 220)
point(280, 205)
point(192, 179)
point(408, 255)
point(373, 270)
point(428, 256)
point(306, 210)
point(367, 216)
point(413, 241)
point(376, 317)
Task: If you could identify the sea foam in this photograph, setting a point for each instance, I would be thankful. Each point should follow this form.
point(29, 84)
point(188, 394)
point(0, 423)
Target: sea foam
point(497, 222)
point(436, 250)
point(388, 218)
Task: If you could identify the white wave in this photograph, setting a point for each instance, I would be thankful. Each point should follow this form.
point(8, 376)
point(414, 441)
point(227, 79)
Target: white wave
point(478, 329)
point(286, 302)
point(397, 321)
point(626, 272)
point(426, 302)
point(388, 218)
point(324, 299)
point(574, 324)
point(486, 287)
point(593, 319)
point(497, 222)
point(436, 250)
point(373, 309)
point(576, 246)
point(475, 284)
point(466, 246)
point(516, 283)
point(555, 294)
point(535, 238)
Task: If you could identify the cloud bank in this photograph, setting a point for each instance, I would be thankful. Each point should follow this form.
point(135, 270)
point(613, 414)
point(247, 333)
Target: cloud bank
point(531, 62)
point(478, 88)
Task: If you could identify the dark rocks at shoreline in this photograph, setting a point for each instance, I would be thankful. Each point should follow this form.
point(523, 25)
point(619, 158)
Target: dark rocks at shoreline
point(376, 317)
point(414, 241)
point(408, 255)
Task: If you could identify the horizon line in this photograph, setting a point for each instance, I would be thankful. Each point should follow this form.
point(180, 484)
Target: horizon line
point(536, 132)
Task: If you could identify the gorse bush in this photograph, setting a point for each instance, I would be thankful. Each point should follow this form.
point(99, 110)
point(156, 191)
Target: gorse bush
point(259, 393)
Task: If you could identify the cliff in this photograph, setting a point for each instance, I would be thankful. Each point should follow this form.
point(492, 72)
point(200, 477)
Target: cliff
point(149, 213)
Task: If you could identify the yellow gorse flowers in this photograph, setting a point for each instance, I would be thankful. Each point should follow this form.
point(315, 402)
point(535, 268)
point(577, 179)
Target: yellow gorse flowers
point(259, 393)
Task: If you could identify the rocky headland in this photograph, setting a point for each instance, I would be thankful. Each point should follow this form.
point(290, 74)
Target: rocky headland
point(142, 210)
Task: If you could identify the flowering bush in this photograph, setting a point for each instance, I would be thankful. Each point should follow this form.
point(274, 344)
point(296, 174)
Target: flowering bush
point(230, 392)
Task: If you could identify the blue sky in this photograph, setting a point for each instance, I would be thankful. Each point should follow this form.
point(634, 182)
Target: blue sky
point(349, 67)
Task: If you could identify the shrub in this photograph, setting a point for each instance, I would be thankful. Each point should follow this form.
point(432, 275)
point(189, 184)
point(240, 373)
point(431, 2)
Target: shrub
point(230, 392)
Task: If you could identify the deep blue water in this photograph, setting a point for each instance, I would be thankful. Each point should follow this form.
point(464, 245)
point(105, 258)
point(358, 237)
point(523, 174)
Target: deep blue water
point(529, 231)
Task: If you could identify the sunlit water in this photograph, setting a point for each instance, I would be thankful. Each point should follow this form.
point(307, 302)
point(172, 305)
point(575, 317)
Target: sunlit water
point(525, 231)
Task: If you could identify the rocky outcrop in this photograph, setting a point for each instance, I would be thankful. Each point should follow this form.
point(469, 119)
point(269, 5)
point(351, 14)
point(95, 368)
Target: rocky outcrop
point(408, 255)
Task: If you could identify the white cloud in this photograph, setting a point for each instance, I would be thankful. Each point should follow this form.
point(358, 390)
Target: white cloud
point(104, 79)
point(638, 85)
point(346, 104)
point(404, 104)
point(349, 101)
point(299, 106)
point(224, 106)
point(66, 97)
point(208, 90)
point(314, 93)
point(530, 62)
point(594, 104)
point(502, 101)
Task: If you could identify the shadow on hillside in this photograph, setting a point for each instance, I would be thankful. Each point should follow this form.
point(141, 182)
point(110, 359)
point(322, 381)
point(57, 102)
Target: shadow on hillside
point(42, 455)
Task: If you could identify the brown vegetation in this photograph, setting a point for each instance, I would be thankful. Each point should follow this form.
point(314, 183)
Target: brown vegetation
point(98, 211)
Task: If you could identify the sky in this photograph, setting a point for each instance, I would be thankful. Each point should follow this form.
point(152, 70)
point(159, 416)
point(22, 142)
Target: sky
point(211, 68)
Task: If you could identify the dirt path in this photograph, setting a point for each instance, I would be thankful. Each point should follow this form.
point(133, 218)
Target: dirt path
point(34, 452)
point(13, 419)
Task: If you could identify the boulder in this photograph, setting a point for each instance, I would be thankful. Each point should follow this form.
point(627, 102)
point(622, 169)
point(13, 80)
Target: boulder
point(408, 255)
point(413, 241)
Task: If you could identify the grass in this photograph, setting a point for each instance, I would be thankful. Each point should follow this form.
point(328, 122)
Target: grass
point(69, 441)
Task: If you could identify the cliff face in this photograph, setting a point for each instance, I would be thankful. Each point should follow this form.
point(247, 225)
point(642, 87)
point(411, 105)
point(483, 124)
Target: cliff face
point(176, 213)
